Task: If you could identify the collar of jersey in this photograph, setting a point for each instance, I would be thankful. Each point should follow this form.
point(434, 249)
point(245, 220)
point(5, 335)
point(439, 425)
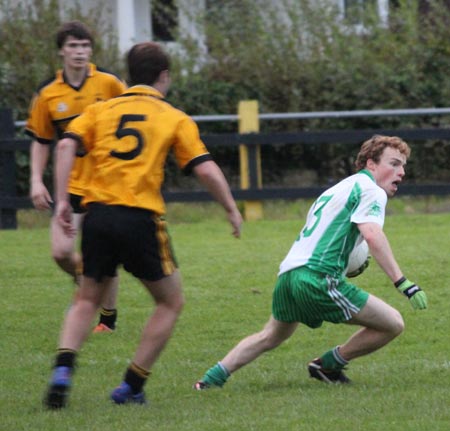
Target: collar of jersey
point(146, 90)
point(60, 73)
point(369, 174)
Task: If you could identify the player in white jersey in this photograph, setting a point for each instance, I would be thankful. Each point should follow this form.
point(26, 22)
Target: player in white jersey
point(331, 229)
point(312, 287)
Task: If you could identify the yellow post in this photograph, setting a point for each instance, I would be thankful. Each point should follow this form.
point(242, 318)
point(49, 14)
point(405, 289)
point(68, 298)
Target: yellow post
point(249, 123)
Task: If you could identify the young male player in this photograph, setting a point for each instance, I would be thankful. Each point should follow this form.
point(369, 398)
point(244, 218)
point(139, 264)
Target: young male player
point(58, 101)
point(129, 138)
point(311, 286)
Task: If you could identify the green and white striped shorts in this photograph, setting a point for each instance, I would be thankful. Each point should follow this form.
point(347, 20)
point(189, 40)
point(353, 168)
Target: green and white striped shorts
point(310, 297)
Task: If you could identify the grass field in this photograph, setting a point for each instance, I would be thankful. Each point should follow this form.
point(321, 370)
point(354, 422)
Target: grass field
point(228, 285)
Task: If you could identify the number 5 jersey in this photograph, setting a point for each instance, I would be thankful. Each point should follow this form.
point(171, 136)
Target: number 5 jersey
point(129, 138)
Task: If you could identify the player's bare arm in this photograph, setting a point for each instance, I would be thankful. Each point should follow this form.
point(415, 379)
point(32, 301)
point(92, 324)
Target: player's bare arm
point(38, 192)
point(380, 249)
point(64, 155)
point(211, 176)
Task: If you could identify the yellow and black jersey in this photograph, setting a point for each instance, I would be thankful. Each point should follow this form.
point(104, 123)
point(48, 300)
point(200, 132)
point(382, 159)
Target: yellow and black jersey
point(128, 139)
point(56, 103)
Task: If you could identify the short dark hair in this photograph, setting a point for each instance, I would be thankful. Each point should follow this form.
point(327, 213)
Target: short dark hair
point(76, 29)
point(373, 149)
point(145, 62)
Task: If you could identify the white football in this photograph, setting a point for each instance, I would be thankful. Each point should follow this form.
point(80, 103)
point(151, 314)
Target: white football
point(358, 260)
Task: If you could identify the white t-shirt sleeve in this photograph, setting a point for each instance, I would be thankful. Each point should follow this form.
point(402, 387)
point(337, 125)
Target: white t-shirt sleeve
point(372, 207)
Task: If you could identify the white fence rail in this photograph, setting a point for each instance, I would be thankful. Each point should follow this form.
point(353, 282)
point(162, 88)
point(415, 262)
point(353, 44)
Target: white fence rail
point(317, 114)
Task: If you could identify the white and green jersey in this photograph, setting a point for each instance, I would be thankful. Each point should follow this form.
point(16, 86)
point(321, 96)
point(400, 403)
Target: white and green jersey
point(331, 231)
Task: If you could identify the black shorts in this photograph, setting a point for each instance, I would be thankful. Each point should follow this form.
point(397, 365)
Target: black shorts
point(75, 203)
point(134, 237)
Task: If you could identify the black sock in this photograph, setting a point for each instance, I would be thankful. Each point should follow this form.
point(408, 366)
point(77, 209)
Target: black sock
point(65, 358)
point(108, 317)
point(136, 377)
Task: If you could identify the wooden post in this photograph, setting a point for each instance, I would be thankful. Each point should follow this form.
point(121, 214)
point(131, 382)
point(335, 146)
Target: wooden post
point(250, 157)
point(8, 216)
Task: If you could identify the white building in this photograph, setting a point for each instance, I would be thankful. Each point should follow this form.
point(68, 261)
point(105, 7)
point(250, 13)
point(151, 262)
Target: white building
point(137, 20)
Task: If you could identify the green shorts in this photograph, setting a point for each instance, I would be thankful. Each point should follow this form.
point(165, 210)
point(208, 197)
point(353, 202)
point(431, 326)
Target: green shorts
point(309, 297)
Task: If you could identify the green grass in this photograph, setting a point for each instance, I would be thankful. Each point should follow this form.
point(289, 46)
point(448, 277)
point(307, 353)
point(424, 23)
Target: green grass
point(272, 209)
point(228, 285)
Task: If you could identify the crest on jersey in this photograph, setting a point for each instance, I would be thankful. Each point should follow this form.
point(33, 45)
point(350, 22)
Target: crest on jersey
point(375, 209)
point(62, 107)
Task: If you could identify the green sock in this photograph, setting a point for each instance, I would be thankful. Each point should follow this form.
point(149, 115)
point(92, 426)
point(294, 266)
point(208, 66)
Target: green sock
point(332, 360)
point(216, 376)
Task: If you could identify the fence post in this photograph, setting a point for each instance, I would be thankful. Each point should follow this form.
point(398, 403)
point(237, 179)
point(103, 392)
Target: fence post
point(250, 157)
point(8, 216)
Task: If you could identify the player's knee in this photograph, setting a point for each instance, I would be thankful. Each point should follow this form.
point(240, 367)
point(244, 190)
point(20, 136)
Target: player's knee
point(397, 324)
point(175, 303)
point(179, 304)
point(61, 255)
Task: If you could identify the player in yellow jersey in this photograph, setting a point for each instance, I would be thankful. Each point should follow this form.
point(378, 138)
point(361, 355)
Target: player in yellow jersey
point(58, 101)
point(128, 139)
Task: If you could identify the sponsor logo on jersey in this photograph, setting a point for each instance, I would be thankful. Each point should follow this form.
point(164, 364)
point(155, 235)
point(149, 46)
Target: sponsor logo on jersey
point(62, 107)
